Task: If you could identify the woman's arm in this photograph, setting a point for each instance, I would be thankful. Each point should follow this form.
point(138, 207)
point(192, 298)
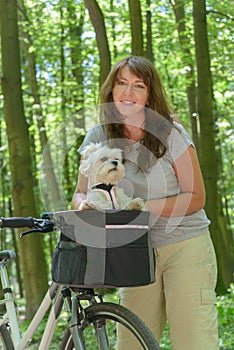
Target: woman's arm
point(192, 191)
point(80, 192)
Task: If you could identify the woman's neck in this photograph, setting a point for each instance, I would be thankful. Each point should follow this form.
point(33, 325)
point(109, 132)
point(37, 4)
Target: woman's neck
point(133, 132)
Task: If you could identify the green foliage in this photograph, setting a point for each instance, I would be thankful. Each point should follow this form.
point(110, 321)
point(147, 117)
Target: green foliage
point(225, 305)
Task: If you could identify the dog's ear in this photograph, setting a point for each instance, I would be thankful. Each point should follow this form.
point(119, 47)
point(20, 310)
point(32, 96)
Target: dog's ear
point(92, 147)
point(84, 167)
point(86, 162)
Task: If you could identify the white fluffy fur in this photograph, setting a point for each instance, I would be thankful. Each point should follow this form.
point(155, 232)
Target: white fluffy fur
point(102, 164)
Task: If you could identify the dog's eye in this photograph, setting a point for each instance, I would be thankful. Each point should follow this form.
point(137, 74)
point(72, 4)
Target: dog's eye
point(104, 159)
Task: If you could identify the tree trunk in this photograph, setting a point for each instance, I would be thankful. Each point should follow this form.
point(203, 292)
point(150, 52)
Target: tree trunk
point(149, 45)
point(97, 20)
point(209, 155)
point(31, 248)
point(136, 27)
point(76, 25)
point(113, 31)
point(54, 196)
point(184, 40)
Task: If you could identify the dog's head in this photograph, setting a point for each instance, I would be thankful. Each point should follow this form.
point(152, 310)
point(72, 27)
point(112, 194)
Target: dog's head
point(102, 164)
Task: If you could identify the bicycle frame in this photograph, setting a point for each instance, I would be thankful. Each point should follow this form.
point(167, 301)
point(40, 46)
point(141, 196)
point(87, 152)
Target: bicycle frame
point(52, 298)
point(75, 327)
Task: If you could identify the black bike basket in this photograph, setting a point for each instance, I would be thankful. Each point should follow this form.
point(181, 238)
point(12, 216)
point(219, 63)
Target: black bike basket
point(103, 249)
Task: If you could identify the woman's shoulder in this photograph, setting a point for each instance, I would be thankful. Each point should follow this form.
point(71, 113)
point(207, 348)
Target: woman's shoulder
point(179, 141)
point(179, 132)
point(95, 134)
point(96, 130)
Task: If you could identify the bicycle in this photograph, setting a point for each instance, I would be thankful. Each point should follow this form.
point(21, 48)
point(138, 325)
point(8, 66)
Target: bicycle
point(99, 316)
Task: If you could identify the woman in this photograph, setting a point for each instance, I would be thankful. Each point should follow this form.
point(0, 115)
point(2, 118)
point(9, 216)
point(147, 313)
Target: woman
point(162, 166)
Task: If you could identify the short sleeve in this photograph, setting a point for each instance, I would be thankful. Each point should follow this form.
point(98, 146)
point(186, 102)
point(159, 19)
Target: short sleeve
point(178, 141)
point(95, 135)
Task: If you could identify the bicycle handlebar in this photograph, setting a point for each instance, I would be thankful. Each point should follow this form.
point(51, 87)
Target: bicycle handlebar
point(17, 222)
point(37, 225)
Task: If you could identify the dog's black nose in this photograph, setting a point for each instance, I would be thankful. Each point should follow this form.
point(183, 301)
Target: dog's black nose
point(115, 162)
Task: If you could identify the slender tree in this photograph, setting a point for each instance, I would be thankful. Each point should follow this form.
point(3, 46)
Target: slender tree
point(136, 27)
point(113, 30)
point(209, 157)
point(149, 52)
point(76, 28)
point(31, 248)
point(97, 20)
point(184, 40)
point(30, 57)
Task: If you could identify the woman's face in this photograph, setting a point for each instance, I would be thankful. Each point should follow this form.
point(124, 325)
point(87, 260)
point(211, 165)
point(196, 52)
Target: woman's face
point(129, 90)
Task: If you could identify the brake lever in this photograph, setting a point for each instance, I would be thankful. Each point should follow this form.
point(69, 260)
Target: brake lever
point(41, 226)
point(34, 230)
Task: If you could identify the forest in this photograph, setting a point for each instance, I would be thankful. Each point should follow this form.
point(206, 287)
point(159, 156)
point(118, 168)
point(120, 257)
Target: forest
point(55, 54)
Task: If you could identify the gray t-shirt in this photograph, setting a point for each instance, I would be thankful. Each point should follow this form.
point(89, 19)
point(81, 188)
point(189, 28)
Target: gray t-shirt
point(157, 181)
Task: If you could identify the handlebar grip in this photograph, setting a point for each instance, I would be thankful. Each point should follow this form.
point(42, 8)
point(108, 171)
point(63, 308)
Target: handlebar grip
point(17, 222)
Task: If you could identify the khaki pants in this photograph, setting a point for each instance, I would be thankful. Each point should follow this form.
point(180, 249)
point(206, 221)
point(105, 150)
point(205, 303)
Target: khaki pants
point(183, 294)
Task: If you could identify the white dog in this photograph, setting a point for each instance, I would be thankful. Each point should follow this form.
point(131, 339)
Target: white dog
point(104, 169)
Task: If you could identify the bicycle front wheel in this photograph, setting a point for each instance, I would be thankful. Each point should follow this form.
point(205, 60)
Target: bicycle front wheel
point(106, 319)
point(5, 338)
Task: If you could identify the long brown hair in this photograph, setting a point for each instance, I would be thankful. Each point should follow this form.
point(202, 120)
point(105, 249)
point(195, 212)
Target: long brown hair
point(157, 105)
